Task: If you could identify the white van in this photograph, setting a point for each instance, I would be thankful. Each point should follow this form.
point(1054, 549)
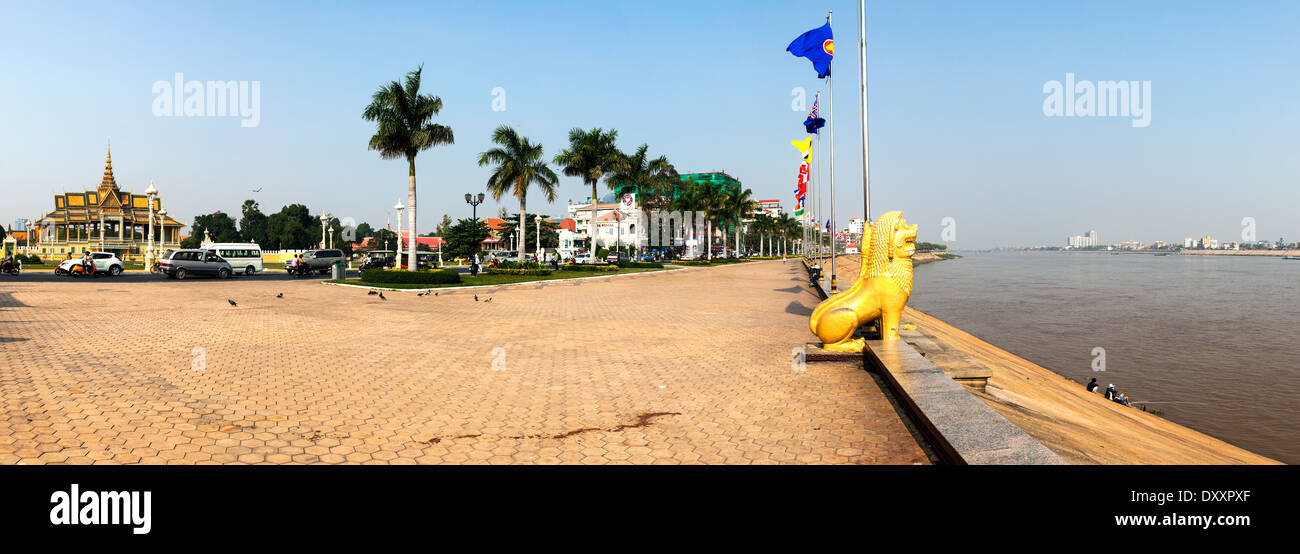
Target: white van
point(243, 257)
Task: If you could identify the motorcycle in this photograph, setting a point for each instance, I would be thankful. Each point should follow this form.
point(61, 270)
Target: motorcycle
point(81, 270)
point(12, 268)
point(300, 269)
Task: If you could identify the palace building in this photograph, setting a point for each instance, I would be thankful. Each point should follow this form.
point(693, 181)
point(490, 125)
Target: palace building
point(105, 219)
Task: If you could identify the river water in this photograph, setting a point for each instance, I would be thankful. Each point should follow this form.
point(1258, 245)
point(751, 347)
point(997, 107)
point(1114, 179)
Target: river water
point(1214, 341)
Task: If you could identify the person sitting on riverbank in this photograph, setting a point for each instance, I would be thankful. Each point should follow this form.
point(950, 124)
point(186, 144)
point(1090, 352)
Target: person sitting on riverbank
point(1092, 385)
point(1110, 391)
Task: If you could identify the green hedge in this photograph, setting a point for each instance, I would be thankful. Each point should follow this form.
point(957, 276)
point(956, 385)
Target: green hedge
point(517, 271)
point(588, 267)
point(654, 265)
point(520, 265)
point(397, 276)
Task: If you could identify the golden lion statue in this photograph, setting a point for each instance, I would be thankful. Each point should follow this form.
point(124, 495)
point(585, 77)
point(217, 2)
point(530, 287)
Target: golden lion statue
point(884, 284)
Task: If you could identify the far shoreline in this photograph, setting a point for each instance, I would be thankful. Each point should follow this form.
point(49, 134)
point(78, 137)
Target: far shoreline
point(1257, 253)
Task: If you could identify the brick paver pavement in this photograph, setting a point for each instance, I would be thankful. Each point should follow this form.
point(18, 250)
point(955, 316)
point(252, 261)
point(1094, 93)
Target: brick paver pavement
point(691, 366)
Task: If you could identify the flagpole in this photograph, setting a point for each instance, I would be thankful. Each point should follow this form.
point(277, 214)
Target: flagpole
point(817, 225)
point(830, 114)
point(862, 55)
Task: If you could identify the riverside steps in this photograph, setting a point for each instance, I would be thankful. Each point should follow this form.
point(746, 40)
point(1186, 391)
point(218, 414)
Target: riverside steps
point(960, 427)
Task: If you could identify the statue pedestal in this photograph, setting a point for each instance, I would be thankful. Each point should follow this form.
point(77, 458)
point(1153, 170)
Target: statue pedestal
point(813, 353)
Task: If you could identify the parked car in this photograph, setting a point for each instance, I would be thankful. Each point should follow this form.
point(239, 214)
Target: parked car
point(319, 261)
point(647, 257)
point(616, 257)
point(105, 262)
point(180, 264)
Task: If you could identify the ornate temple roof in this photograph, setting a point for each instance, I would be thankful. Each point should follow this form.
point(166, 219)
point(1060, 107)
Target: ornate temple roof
point(108, 183)
point(106, 200)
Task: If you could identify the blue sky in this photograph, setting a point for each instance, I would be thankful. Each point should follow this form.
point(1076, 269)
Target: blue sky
point(957, 128)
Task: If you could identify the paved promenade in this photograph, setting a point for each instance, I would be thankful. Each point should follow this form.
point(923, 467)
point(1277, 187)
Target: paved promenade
point(690, 366)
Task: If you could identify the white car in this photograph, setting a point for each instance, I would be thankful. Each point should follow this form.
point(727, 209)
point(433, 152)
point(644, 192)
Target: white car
point(105, 262)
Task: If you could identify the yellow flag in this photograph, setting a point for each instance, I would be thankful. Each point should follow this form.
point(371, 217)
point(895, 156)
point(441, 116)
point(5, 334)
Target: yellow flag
point(805, 148)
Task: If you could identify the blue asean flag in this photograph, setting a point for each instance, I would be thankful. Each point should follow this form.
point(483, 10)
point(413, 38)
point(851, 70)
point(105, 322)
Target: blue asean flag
point(818, 45)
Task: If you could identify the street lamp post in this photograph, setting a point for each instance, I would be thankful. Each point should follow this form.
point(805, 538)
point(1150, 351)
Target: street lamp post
point(473, 202)
point(324, 220)
point(150, 194)
point(399, 207)
point(162, 229)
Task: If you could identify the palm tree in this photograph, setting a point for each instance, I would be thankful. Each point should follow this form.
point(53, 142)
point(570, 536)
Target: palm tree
point(591, 155)
point(762, 226)
point(738, 204)
point(788, 227)
point(691, 200)
point(519, 165)
point(404, 127)
point(652, 179)
point(705, 198)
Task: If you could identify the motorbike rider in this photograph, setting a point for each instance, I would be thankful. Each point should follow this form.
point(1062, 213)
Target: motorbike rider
point(88, 263)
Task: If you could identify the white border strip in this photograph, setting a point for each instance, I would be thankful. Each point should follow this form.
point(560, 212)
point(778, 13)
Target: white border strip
point(664, 270)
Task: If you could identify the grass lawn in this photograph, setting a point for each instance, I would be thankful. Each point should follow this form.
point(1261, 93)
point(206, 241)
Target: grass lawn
point(485, 279)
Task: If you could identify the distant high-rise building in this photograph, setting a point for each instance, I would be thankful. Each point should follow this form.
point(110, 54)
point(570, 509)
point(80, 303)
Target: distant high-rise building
point(1085, 240)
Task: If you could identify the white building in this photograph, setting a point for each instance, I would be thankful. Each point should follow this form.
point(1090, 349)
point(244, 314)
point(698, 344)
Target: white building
point(855, 226)
point(769, 207)
point(1086, 240)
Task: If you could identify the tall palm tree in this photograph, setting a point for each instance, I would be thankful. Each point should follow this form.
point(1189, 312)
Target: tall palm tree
point(789, 227)
point(519, 165)
point(591, 155)
point(762, 226)
point(740, 203)
point(691, 200)
point(652, 179)
point(404, 127)
point(711, 201)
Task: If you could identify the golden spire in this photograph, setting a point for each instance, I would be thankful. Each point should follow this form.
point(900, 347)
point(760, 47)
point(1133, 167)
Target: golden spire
point(108, 181)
